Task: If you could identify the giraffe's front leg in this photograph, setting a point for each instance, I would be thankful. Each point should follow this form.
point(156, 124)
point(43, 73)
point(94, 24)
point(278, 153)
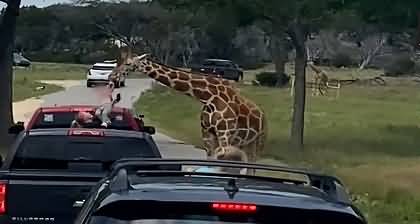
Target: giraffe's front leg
point(314, 87)
point(210, 141)
point(251, 153)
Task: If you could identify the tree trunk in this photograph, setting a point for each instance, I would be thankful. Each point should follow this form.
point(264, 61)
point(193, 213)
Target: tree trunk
point(296, 134)
point(371, 54)
point(7, 37)
point(279, 54)
point(417, 44)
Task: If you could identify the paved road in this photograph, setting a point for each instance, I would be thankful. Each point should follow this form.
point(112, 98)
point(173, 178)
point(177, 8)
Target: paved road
point(80, 94)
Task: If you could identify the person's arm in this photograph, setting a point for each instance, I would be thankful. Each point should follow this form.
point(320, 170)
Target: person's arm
point(74, 124)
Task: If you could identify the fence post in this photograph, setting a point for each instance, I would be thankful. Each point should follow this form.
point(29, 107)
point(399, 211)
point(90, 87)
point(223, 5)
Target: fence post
point(292, 87)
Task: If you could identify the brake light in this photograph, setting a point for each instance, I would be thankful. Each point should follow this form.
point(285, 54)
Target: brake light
point(234, 207)
point(3, 190)
point(86, 133)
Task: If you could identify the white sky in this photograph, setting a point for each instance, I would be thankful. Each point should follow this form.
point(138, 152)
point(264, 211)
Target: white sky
point(42, 3)
point(37, 3)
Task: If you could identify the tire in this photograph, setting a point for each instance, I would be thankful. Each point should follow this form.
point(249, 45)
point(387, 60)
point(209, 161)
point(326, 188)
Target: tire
point(88, 84)
point(122, 83)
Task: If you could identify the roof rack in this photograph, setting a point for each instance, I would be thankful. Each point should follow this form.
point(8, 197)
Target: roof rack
point(330, 185)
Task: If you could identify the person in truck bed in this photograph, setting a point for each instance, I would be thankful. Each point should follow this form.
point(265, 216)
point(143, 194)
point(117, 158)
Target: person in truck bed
point(103, 112)
point(82, 118)
point(101, 117)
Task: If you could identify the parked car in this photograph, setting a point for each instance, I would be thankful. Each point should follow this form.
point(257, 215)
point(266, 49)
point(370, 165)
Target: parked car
point(48, 171)
point(164, 191)
point(221, 68)
point(62, 116)
point(99, 74)
point(19, 60)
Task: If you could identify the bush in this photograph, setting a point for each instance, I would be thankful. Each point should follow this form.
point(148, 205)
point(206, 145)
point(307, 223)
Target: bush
point(270, 79)
point(49, 56)
point(399, 66)
point(341, 59)
point(94, 57)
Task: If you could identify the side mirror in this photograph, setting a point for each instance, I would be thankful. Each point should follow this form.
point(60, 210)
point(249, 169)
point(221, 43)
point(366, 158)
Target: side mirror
point(17, 128)
point(150, 130)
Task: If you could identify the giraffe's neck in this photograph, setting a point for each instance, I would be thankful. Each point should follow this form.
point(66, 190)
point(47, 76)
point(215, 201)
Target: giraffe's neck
point(197, 86)
point(315, 68)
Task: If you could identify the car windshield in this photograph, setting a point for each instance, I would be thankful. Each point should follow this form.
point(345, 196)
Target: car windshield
point(217, 63)
point(331, 85)
point(102, 68)
point(57, 152)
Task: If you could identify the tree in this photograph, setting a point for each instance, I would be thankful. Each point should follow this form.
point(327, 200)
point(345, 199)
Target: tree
point(7, 38)
point(293, 19)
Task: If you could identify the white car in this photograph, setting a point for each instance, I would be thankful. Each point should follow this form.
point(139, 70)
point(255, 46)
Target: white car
point(99, 74)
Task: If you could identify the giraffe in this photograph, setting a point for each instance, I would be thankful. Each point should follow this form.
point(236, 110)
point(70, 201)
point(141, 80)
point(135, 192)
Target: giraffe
point(321, 80)
point(227, 118)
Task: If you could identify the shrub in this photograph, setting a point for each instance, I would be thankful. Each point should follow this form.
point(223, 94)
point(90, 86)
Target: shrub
point(400, 65)
point(341, 59)
point(270, 79)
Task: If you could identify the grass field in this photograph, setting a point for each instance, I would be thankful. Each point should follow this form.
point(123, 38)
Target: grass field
point(368, 137)
point(59, 71)
point(26, 80)
point(53, 71)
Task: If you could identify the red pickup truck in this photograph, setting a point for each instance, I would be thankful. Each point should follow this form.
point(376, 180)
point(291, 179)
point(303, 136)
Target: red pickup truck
point(62, 116)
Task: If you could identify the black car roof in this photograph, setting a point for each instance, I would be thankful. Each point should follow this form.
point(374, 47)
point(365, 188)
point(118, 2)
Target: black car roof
point(323, 193)
point(107, 132)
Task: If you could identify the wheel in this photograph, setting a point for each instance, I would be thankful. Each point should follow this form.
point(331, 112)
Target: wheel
point(88, 84)
point(122, 84)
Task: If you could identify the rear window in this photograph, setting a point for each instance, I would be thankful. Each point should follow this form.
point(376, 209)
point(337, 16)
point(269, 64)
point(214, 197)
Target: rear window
point(120, 121)
point(130, 212)
point(102, 68)
point(60, 152)
point(217, 63)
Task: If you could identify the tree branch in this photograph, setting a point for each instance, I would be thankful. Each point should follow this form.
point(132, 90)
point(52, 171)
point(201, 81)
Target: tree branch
point(114, 34)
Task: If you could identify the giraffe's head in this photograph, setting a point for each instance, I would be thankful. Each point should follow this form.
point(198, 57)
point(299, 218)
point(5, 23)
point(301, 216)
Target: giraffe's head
point(132, 62)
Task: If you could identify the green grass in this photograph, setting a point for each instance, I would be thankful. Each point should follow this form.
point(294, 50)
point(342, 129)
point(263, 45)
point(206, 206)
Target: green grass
point(24, 88)
point(58, 71)
point(53, 71)
point(368, 137)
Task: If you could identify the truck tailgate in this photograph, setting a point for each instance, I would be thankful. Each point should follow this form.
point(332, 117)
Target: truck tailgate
point(52, 198)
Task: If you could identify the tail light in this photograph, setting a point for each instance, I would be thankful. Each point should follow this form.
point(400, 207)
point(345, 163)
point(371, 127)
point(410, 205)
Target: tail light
point(3, 190)
point(234, 207)
point(85, 133)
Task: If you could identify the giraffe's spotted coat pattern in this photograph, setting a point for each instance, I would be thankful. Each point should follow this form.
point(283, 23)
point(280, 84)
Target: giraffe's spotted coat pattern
point(227, 118)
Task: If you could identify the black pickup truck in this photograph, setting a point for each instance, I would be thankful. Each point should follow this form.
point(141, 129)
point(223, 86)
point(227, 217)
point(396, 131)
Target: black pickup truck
point(49, 172)
point(219, 67)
